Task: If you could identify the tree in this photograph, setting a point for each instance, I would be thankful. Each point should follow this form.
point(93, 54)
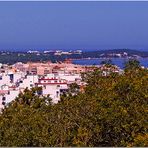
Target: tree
point(140, 140)
point(112, 111)
point(74, 88)
point(24, 122)
point(132, 64)
point(106, 62)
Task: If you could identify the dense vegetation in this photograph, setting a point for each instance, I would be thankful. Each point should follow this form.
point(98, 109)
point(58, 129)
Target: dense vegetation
point(106, 53)
point(112, 111)
point(13, 57)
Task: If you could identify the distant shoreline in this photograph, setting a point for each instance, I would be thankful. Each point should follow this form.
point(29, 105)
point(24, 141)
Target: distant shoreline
point(108, 58)
point(11, 57)
point(120, 62)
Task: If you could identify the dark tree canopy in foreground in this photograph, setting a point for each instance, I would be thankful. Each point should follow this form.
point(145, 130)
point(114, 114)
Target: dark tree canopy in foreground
point(112, 111)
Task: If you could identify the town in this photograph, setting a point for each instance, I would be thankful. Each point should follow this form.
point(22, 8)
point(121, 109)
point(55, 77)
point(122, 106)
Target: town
point(54, 78)
point(73, 74)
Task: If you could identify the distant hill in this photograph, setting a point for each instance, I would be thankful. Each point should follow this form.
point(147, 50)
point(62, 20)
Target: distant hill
point(107, 53)
point(9, 57)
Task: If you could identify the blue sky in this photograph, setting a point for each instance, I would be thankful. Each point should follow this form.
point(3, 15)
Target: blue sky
point(70, 25)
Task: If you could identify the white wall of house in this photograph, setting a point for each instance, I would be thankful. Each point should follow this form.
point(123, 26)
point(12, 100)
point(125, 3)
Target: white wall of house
point(53, 90)
point(18, 76)
point(12, 95)
point(29, 81)
point(8, 97)
point(70, 77)
point(5, 79)
point(50, 76)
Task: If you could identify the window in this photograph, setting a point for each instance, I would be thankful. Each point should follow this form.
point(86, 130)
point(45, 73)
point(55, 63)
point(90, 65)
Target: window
point(4, 98)
point(57, 94)
point(40, 92)
point(3, 103)
point(58, 86)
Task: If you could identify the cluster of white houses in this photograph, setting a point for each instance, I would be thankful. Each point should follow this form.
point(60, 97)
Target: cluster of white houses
point(12, 82)
point(54, 78)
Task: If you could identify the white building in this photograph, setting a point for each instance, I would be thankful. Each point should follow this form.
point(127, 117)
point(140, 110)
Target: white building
point(29, 81)
point(12, 83)
point(70, 78)
point(4, 79)
point(53, 87)
point(7, 94)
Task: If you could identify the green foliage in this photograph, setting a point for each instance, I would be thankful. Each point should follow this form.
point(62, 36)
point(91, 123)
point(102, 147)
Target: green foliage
point(74, 88)
point(113, 111)
point(107, 62)
point(25, 121)
point(132, 64)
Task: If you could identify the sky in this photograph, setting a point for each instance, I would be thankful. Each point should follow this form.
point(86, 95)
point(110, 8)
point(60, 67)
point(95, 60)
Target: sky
point(73, 25)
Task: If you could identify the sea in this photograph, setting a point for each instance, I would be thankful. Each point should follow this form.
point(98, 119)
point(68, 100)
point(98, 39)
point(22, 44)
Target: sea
point(120, 62)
